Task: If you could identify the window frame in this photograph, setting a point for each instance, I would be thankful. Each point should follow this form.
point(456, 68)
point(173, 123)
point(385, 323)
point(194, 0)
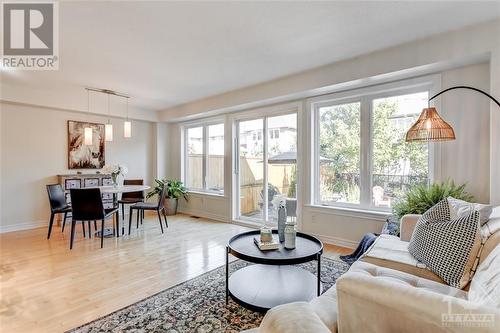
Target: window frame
point(365, 96)
point(185, 165)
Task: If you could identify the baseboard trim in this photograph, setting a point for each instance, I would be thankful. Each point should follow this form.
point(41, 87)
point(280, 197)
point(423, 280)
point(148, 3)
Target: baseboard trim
point(23, 226)
point(337, 241)
point(206, 215)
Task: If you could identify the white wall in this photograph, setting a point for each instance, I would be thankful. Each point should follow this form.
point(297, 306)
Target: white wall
point(465, 160)
point(34, 150)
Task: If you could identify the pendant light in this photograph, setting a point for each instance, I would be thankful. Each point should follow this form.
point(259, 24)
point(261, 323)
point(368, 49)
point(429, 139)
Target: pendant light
point(87, 131)
point(108, 128)
point(127, 126)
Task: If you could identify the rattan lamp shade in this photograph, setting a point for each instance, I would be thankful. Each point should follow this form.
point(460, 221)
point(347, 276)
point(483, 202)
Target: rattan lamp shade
point(430, 127)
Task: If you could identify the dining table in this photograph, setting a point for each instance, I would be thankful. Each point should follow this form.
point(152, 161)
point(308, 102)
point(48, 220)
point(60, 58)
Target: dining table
point(115, 190)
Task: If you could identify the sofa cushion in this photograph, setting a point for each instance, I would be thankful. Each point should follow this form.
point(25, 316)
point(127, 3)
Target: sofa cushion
point(293, 317)
point(391, 252)
point(401, 278)
point(325, 307)
point(448, 247)
point(485, 286)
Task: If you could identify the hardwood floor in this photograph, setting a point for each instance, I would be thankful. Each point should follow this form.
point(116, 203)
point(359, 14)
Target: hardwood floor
point(45, 287)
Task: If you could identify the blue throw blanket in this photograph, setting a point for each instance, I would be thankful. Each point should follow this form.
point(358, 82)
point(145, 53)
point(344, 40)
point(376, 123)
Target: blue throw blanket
point(363, 246)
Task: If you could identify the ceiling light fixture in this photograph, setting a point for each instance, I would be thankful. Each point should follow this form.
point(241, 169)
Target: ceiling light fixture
point(127, 125)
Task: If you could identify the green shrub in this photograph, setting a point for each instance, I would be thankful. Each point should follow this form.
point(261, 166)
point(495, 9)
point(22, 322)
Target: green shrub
point(422, 197)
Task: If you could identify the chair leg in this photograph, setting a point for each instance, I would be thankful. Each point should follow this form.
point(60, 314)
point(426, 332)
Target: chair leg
point(161, 222)
point(117, 218)
point(117, 223)
point(83, 228)
point(137, 220)
point(129, 219)
point(95, 225)
point(142, 215)
point(90, 229)
point(123, 211)
point(102, 233)
point(73, 224)
point(64, 221)
point(165, 216)
point(50, 224)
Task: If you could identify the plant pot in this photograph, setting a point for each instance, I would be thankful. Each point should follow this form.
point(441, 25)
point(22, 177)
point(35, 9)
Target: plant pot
point(171, 206)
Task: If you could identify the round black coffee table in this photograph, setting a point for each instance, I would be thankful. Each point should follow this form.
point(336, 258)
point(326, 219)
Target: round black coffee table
point(273, 280)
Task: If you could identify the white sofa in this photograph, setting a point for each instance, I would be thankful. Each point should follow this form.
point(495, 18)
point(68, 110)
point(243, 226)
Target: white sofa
point(389, 291)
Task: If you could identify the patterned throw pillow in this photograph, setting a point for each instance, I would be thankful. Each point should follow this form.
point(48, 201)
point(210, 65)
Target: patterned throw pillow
point(448, 247)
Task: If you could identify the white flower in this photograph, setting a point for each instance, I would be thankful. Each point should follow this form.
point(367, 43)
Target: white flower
point(118, 169)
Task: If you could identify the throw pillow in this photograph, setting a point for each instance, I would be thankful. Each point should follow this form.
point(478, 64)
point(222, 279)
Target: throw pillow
point(448, 247)
point(459, 208)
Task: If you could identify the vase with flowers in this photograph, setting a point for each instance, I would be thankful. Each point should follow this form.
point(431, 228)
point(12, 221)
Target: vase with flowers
point(115, 170)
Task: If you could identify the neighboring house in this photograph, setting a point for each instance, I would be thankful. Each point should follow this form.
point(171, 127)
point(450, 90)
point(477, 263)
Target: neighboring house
point(281, 139)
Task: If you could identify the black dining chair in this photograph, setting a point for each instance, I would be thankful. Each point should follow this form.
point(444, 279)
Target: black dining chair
point(159, 207)
point(87, 205)
point(131, 198)
point(58, 205)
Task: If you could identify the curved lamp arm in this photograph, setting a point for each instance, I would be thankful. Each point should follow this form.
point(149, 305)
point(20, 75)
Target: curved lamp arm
point(466, 87)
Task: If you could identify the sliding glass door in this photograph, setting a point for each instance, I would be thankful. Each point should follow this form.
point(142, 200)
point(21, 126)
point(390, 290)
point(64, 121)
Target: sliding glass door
point(267, 171)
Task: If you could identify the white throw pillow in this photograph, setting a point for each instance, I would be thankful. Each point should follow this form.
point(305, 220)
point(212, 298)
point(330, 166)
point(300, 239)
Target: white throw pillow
point(460, 208)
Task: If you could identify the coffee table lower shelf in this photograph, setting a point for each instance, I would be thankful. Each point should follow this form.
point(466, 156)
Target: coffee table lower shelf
point(260, 287)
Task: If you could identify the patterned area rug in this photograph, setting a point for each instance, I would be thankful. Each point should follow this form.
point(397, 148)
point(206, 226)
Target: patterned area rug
point(197, 305)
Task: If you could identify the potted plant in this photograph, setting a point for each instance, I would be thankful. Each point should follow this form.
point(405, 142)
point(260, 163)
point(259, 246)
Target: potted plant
point(422, 197)
point(175, 190)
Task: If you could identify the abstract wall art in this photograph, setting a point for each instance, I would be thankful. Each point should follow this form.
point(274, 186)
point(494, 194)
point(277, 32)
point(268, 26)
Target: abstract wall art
point(80, 155)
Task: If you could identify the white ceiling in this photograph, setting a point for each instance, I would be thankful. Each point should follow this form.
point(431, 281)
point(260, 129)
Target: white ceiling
point(169, 53)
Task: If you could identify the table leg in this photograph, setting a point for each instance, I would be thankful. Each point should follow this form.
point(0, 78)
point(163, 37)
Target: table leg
point(227, 275)
point(319, 273)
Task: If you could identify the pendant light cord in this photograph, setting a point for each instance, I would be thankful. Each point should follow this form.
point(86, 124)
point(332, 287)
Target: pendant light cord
point(109, 111)
point(127, 108)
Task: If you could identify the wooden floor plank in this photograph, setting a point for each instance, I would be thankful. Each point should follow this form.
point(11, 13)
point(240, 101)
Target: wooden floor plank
point(45, 287)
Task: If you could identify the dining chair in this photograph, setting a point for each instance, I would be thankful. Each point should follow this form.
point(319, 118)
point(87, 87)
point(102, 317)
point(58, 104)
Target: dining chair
point(87, 205)
point(159, 207)
point(58, 205)
point(131, 198)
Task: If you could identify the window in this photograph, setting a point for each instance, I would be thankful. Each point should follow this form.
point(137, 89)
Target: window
point(339, 153)
point(267, 167)
point(373, 126)
point(204, 158)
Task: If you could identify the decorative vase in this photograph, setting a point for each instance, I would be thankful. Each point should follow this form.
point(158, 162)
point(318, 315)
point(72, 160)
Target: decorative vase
point(114, 179)
point(290, 235)
point(171, 206)
point(281, 223)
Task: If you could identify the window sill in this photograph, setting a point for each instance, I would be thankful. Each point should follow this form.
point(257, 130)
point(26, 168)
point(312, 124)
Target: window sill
point(203, 193)
point(350, 212)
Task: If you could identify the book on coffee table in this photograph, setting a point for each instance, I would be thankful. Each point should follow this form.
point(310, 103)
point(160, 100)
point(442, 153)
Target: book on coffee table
point(266, 246)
